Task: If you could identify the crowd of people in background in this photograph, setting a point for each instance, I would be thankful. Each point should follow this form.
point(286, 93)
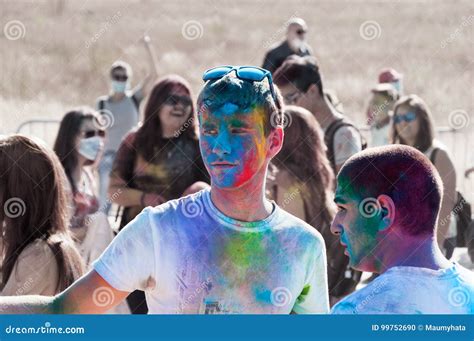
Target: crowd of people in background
point(133, 164)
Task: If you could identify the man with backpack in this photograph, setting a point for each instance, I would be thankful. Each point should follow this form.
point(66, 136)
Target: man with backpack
point(119, 113)
point(300, 82)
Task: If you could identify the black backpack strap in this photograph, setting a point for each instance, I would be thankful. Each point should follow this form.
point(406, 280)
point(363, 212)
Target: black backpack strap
point(433, 155)
point(101, 105)
point(136, 102)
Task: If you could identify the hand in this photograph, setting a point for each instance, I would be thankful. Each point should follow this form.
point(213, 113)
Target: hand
point(152, 59)
point(468, 171)
point(152, 199)
point(146, 39)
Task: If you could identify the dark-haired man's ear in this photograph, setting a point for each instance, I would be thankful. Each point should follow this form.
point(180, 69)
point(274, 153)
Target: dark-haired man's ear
point(387, 211)
point(275, 141)
point(313, 91)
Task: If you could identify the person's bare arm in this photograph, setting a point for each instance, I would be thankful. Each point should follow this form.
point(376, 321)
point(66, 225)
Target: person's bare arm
point(122, 195)
point(90, 294)
point(147, 82)
point(447, 173)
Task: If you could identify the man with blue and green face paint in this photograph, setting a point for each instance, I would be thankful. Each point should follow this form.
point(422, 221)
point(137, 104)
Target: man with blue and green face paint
point(388, 202)
point(223, 250)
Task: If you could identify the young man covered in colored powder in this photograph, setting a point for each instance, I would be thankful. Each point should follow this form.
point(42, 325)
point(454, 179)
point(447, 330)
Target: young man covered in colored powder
point(223, 250)
point(389, 200)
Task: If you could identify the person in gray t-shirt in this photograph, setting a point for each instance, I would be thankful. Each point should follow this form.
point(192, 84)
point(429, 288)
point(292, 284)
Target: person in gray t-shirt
point(120, 113)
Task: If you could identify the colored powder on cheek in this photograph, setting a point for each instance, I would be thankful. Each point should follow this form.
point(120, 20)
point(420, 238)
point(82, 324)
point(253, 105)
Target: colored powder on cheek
point(257, 156)
point(247, 171)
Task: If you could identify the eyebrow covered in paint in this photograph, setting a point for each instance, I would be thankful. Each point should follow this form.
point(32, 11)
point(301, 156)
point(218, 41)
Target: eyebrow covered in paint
point(339, 199)
point(241, 122)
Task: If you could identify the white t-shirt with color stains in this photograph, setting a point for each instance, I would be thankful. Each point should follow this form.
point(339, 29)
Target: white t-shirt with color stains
point(190, 258)
point(413, 290)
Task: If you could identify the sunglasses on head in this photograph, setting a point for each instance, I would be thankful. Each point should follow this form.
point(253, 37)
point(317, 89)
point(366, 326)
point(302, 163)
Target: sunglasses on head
point(91, 133)
point(408, 117)
point(246, 73)
point(120, 78)
point(175, 99)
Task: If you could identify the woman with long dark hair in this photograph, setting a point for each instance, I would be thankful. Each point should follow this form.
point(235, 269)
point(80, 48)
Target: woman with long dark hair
point(78, 146)
point(304, 179)
point(38, 255)
point(302, 183)
point(414, 126)
point(161, 160)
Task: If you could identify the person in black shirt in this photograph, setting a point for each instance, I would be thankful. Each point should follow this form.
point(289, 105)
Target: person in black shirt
point(294, 44)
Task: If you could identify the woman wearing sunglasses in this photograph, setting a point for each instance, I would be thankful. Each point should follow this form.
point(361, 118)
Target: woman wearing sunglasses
point(161, 160)
point(414, 126)
point(79, 146)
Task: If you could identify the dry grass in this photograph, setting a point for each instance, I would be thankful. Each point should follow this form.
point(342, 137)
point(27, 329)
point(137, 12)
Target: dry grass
point(68, 46)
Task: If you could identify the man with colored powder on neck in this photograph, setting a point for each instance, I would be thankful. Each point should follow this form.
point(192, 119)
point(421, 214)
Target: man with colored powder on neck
point(388, 202)
point(223, 250)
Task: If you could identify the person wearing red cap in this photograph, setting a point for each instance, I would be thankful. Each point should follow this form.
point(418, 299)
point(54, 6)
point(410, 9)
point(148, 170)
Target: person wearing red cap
point(393, 77)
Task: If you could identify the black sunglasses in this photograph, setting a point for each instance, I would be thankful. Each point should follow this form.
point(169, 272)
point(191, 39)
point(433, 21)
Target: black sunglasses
point(91, 133)
point(301, 32)
point(120, 78)
point(175, 99)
